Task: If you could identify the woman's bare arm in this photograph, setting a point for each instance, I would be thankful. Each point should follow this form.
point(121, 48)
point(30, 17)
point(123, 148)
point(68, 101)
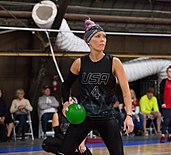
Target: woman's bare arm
point(118, 71)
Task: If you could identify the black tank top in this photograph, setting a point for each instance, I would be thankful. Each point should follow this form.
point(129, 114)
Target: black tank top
point(97, 85)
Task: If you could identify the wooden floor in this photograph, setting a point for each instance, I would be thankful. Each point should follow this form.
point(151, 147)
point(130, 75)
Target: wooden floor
point(154, 149)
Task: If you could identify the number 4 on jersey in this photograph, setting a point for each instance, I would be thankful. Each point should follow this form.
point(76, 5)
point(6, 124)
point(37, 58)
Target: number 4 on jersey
point(95, 92)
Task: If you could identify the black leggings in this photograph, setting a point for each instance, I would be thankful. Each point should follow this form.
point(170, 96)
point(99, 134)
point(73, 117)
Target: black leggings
point(108, 129)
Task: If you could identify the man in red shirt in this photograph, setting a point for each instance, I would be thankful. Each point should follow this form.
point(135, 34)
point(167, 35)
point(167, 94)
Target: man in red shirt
point(165, 96)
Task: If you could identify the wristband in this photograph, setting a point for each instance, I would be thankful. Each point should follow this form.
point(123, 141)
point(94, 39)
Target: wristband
point(129, 115)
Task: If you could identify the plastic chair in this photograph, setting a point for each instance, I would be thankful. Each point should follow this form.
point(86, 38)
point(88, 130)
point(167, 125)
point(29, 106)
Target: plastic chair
point(40, 131)
point(48, 133)
point(151, 127)
point(30, 129)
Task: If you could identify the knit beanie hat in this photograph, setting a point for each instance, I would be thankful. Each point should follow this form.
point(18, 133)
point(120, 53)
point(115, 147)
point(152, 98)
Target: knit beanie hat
point(91, 29)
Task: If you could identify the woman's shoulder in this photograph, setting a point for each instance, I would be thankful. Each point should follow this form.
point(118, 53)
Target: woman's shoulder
point(116, 59)
point(116, 63)
point(14, 100)
point(77, 61)
point(75, 68)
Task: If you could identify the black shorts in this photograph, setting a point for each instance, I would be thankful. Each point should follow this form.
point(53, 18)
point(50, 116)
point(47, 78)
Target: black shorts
point(8, 119)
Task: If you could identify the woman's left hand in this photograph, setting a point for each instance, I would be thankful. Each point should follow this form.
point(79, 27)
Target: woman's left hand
point(128, 125)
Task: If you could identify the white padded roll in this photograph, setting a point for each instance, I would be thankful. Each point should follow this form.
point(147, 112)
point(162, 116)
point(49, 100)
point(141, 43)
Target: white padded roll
point(67, 41)
point(44, 14)
point(140, 68)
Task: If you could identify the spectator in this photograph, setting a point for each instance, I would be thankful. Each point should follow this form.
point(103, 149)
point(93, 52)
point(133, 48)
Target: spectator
point(6, 120)
point(20, 108)
point(2, 118)
point(136, 115)
point(165, 96)
point(149, 107)
point(47, 106)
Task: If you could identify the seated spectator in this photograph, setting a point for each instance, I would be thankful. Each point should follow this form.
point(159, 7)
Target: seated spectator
point(5, 120)
point(149, 108)
point(136, 115)
point(20, 107)
point(2, 118)
point(60, 125)
point(47, 106)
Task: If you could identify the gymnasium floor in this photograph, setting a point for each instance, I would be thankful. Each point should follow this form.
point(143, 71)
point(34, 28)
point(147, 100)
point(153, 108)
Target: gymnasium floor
point(132, 146)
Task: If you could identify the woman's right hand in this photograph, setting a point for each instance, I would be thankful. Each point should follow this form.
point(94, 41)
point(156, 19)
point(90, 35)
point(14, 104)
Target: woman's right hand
point(65, 107)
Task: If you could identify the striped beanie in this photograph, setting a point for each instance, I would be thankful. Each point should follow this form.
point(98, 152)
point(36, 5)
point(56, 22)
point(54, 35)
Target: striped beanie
point(91, 29)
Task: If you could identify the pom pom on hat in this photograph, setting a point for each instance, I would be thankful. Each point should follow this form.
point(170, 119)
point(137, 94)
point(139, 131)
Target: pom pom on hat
point(88, 24)
point(91, 29)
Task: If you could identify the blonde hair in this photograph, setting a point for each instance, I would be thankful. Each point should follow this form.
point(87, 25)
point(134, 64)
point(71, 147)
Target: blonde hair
point(19, 91)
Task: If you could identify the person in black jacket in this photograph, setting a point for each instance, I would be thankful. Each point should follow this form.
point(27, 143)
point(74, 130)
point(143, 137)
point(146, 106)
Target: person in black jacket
point(165, 97)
